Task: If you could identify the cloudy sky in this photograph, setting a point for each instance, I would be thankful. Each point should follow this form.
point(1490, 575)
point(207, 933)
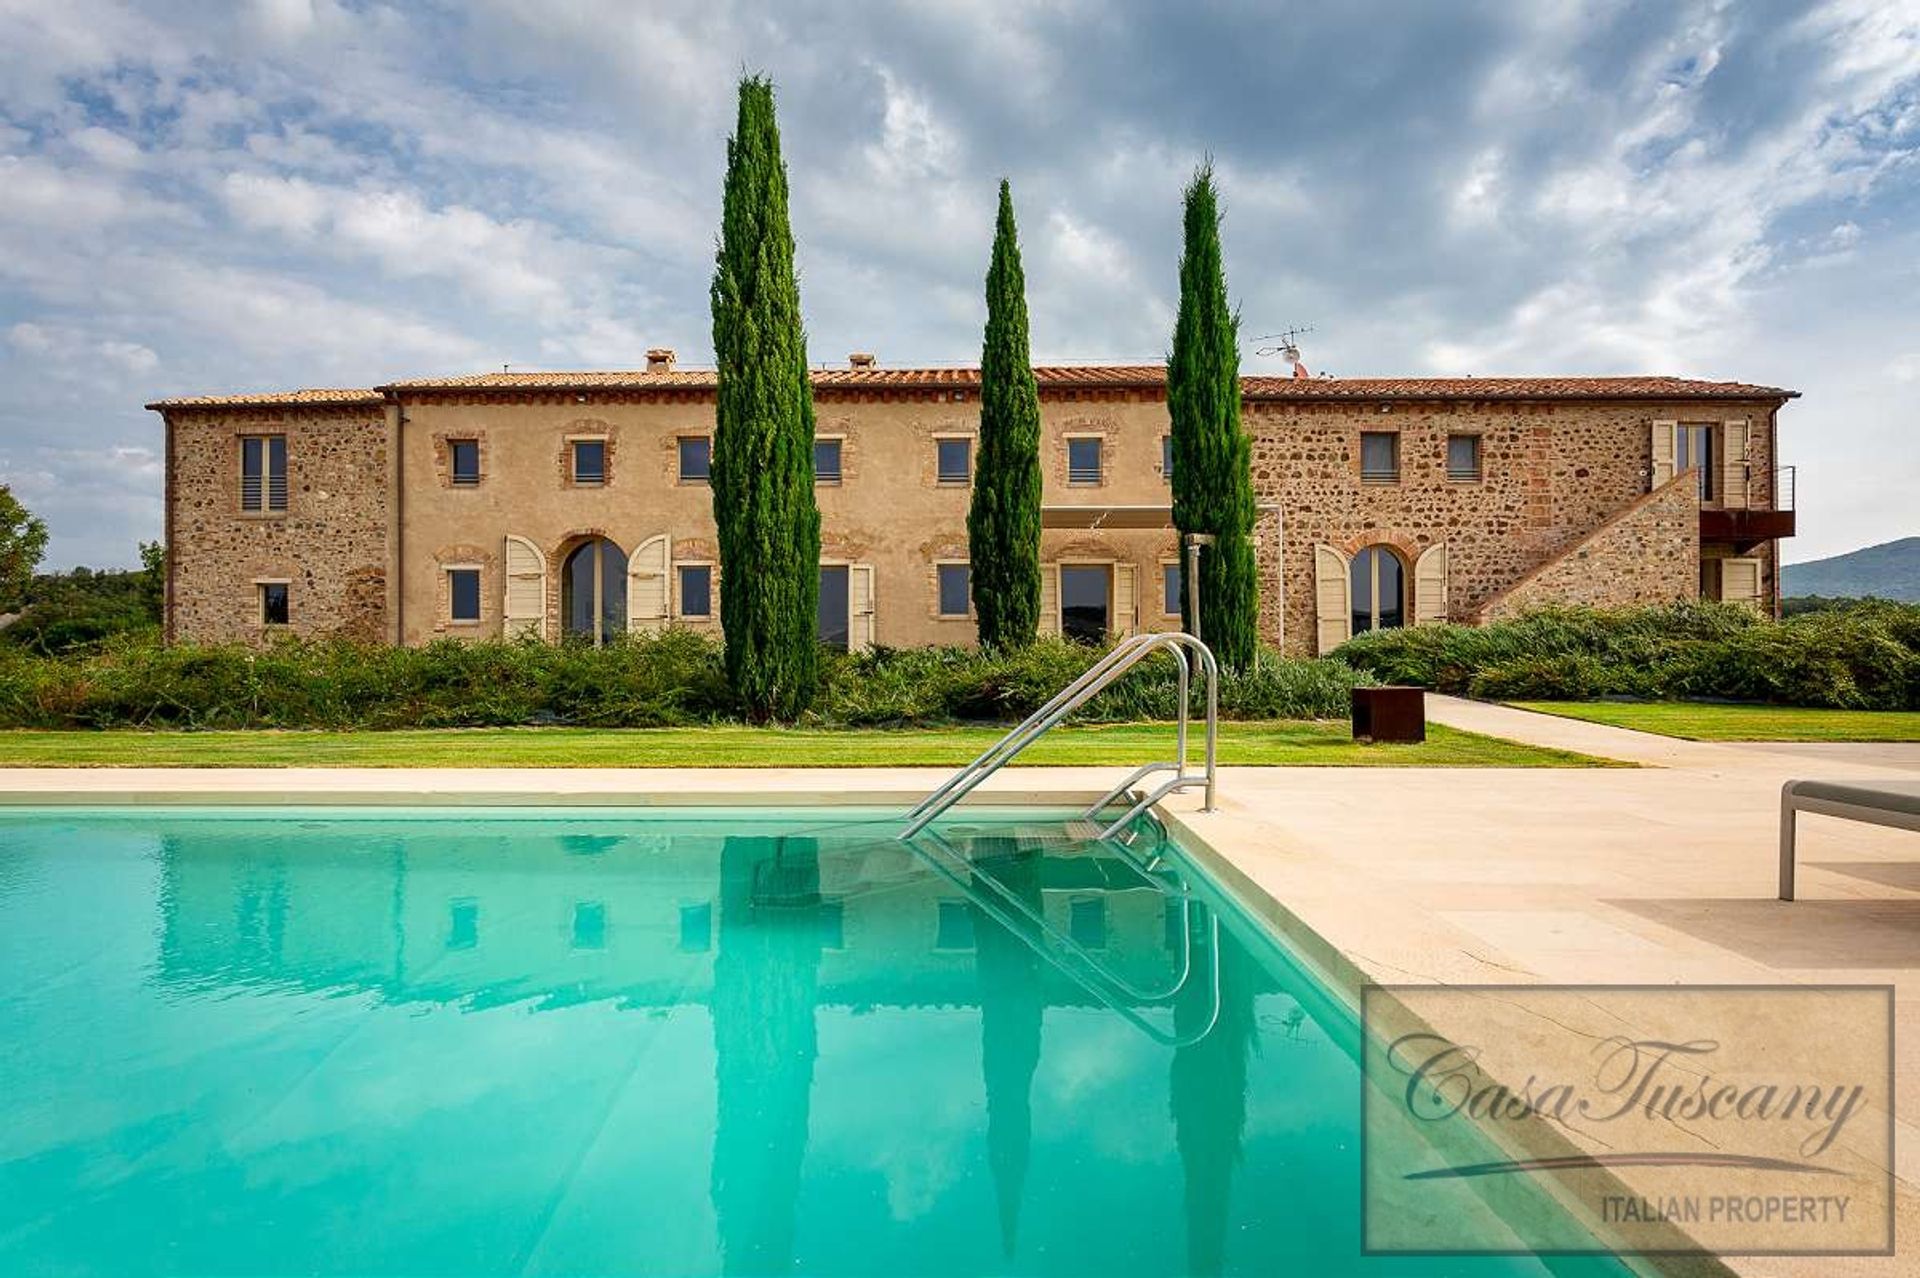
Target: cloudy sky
point(198, 197)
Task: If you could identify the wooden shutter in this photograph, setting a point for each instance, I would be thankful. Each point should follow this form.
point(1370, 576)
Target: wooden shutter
point(650, 585)
point(1663, 433)
point(1430, 585)
point(1735, 441)
point(1049, 599)
point(525, 606)
point(1126, 601)
point(859, 607)
point(1740, 581)
point(1332, 599)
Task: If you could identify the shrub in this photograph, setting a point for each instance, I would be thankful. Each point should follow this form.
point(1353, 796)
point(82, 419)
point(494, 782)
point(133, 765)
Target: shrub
point(664, 680)
point(1866, 656)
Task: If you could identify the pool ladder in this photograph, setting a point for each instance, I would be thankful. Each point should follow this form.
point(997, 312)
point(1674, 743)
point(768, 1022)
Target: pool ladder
point(1187, 650)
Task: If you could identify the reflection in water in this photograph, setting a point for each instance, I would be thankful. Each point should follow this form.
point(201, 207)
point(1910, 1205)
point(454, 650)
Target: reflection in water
point(584, 1043)
point(765, 984)
point(1011, 1010)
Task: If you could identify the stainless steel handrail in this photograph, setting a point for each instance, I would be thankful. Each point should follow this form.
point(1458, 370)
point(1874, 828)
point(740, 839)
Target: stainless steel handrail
point(1122, 657)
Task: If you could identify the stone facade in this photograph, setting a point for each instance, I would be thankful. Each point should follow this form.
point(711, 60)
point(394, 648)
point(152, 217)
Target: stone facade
point(1559, 508)
point(330, 545)
point(1659, 535)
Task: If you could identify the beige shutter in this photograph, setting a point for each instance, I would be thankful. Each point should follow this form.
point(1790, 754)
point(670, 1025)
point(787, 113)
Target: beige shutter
point(1126, 601)
point(525, 606)
point(1735, 442)
point(1332, 599)
point(1740, 581)
point(1430, 585)
point(859, 607)
point(1049, 599)
point(650, 585)
point(1663, 449)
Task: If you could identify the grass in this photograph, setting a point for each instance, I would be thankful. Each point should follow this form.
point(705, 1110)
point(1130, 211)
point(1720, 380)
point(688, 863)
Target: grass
point(1702, 721)
point(1310, 743)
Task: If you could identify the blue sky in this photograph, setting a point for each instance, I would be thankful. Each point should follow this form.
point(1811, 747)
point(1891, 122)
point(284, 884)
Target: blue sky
point(202, 197)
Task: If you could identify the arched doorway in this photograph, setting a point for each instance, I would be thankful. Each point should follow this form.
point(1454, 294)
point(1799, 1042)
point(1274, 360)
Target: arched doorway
point(1379, 582)
point(593, 592)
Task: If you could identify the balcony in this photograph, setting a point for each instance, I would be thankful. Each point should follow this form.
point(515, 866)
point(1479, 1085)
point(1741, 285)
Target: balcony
point(1750, 527)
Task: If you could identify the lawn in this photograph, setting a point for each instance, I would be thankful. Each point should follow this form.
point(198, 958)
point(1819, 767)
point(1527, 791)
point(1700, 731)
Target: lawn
point(1292, 742)
point(1701, 721)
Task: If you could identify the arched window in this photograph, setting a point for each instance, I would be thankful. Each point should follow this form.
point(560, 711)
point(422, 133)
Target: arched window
point(1379, 589)
point(593, 591)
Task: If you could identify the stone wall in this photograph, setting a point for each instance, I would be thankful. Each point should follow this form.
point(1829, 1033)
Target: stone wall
point(1648, 553)
point(329, 545)
point(1551, 473)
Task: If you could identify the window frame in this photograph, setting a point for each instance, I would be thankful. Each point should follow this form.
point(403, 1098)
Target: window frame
point(1393, 445)
point(940, 476)
point(1166, 457)
point(939, 589)
point(1099, 443)
point(573, 461)
point(454, 475)
point(839, 444)
point(1179, 586)
point(261, 587)
point(680, 474)
point(1479, 471)
point(1710, 445)
point(1373, 592)
point(680, 569)
point(479, 595)
point(264, 503)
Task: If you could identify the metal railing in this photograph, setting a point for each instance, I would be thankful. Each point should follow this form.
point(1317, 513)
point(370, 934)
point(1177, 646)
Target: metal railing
point(1185, 649)
point(1783, 485)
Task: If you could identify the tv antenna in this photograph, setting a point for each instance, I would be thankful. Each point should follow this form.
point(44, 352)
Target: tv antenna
point(1287, 343)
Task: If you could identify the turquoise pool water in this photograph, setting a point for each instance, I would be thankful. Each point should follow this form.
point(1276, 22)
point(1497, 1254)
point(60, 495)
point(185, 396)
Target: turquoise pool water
point(620, 1041)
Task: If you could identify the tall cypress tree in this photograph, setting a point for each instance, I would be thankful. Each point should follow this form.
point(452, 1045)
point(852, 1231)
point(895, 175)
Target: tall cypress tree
point(1003, 524)
point(1212, 481)
point(769, 526)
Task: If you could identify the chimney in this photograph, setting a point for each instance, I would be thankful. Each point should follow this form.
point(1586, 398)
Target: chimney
point(660, 359)
point(861, 359)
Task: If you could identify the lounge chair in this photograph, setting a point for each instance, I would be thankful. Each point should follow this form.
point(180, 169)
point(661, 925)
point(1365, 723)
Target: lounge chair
point(1891, 803)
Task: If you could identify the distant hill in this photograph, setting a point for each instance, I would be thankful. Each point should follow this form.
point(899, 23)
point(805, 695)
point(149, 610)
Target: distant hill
point(1889, 571)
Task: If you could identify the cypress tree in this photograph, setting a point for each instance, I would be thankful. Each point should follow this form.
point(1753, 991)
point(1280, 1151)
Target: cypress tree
point(1003, 523)
point(769, 526)
point(1212, 481)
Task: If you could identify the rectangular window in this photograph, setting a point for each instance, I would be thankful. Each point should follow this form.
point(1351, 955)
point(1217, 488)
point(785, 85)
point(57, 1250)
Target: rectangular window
point(263, 472)
point(696, 590)
point(1083, 461)
point(1170, 588)
point(1379, 456)
point(463, 594)
point(956, 584)
point(1693, 446)
point(696, 459)
point(1166, 458)
point(954, 458)
point(589, 461)
point(954, 927)
point(274, 609)
point(1463, 457)
point(826, 461)
point(465, 459)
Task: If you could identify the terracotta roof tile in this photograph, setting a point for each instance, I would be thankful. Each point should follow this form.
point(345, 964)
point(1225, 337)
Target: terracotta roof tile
point(1055, 376)
point(274, 399)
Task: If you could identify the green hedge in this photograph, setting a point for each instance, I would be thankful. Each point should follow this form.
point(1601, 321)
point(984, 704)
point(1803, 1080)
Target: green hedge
point(664, 680)
point(1862, 657)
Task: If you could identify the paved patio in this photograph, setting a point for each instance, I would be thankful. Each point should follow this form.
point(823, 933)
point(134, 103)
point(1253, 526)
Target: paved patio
point(1658, 874)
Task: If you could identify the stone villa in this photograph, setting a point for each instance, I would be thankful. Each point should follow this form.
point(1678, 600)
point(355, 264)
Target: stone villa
point(577, 504)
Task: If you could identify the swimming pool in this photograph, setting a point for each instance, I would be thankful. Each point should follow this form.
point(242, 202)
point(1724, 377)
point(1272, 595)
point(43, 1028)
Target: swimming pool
point(616, 1040)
